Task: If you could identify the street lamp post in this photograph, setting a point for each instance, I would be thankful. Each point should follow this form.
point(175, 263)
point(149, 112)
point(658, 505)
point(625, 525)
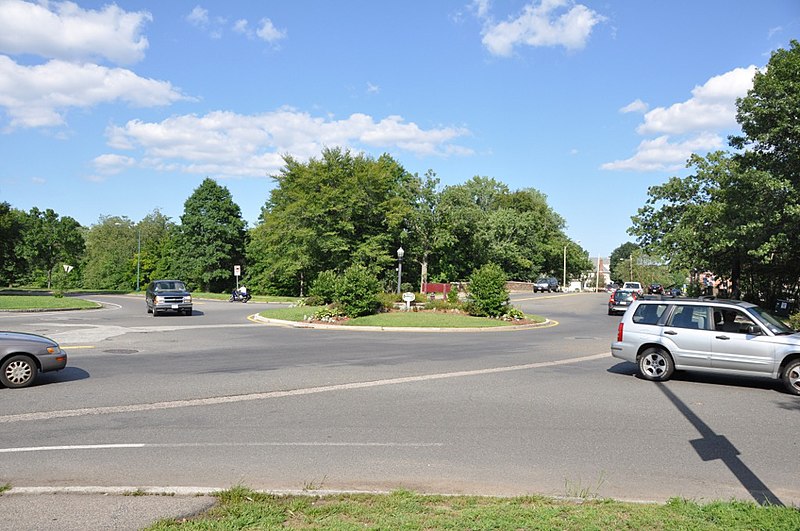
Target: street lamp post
point(400, 254)
point(138, 256)
point(564, 279)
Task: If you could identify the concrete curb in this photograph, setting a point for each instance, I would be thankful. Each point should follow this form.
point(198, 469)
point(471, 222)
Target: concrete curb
point(319, 326)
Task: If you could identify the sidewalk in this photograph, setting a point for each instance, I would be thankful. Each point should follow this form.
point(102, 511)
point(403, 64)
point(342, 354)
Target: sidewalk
point(64, 509)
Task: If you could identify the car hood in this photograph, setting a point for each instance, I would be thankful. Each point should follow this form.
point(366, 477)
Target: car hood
point(172, 293)
point(793, 339)
point(23, 337)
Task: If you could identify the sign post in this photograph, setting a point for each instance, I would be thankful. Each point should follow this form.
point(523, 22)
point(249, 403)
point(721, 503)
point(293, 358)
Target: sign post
point(408, 297)
point(237, 272)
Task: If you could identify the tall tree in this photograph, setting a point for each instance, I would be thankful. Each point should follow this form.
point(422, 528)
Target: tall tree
point(48, 240)
point(110, 244)
point(326, 214)
point(211, 238)
point(11, 225)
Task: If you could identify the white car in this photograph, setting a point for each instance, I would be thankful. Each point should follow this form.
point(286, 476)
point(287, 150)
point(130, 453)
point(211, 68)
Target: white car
point(634, 286)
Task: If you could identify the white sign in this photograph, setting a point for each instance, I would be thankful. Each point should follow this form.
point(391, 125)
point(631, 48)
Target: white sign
point(408, 296)
point(68, 268)
point(237, 271)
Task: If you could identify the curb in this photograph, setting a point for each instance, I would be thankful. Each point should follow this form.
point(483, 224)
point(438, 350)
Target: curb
point(297, 324)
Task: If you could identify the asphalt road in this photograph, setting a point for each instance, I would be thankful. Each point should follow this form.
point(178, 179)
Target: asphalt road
point(214, 400)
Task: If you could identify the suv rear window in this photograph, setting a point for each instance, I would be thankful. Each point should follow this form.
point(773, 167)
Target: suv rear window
point(648, 313)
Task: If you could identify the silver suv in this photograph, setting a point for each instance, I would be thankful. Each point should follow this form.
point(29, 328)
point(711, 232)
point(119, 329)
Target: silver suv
point(661, 335)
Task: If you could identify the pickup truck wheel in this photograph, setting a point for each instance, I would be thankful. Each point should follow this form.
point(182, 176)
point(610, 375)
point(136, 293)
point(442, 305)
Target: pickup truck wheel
point(17, 371)
point(791, 377)
point(656, 364)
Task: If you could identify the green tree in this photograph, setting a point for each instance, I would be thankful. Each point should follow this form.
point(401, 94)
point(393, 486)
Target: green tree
point(109, 246)
point(327, 214)
point(211, 238)
point(12, 266)
point(48, 240)
point(621, 266)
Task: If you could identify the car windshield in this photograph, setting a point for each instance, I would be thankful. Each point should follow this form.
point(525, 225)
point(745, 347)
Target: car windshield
point(775, 325)
point(621, 295)
point(170, 286)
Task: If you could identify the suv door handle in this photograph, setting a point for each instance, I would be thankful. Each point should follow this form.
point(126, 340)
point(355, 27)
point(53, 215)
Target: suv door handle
point(671, 333)
point(726, 338)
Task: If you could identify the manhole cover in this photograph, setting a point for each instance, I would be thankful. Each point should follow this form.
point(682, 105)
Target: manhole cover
point(121, 351)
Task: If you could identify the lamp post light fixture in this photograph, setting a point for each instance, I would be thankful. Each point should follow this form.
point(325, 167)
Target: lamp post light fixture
point(400, 254)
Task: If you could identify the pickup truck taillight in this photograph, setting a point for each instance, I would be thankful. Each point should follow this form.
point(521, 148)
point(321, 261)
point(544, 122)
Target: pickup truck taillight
point(619, 331)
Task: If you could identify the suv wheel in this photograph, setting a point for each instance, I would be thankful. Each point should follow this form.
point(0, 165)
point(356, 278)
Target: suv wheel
point(656, 365)
point(791, 377)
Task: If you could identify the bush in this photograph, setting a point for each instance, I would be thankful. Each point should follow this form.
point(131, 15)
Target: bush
point(357, 292)
point(313, 300)
point(324, 286)
point(452, 295)
point(488, 294)
point(794, 321)
point(329, 314)
point(405, 287)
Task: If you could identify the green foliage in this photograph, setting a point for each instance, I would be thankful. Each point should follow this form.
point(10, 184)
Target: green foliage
point(452, 295)
point(488, 294)
point(325, 286)
point(794, 321)
point(328, 314)
point(737, 215)
point(357, 291)
point(211, 238)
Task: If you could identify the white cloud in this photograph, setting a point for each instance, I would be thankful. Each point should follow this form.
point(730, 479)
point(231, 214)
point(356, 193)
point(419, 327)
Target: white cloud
point(268, 32)
point(548, 23)
point(198, 17)
point(38, 96)
point(63, 30)
point(481, 8)
point(636, 105)
point(692, 126)
point(660, 154)
point(111, 164)
point(712, 106)
point(372, 89)
point(228, 144)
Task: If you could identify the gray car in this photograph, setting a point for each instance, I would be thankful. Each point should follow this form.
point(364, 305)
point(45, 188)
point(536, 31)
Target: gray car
point(168, 296)
point(23, 356)
point(661, 335)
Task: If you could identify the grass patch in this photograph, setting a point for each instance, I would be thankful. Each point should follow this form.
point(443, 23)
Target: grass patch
point(431, 320)
point(44, 302)
point(241, 508)
point(295, 313)
point(5, 487)
point(398, 319)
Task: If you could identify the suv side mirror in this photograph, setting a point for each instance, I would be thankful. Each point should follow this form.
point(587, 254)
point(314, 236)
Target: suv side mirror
point(754, 330)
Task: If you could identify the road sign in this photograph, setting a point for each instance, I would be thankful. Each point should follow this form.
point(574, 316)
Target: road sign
point(237, 271)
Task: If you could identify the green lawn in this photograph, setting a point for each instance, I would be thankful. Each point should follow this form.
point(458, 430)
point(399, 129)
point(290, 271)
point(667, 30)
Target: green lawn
point(256, 298)
point(398, 319)
point(240, 508)
point(43, 302)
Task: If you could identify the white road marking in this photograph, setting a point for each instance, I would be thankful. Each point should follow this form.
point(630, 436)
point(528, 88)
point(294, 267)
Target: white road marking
point(210, 445)
point(232, 399)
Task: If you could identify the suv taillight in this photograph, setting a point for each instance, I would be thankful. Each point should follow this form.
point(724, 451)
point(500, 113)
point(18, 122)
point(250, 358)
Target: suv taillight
point(619, 331)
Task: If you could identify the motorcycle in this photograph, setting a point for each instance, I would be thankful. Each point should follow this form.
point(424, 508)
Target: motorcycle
point(237, 296)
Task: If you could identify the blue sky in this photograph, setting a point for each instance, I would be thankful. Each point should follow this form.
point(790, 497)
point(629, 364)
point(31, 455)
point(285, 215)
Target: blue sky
point(118, 109)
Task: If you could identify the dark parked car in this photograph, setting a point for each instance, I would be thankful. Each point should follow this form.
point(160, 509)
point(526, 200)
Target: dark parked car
point(168, 296)
point(620, 300)
point(23, 356)
point(655, 289)
point(548, 284)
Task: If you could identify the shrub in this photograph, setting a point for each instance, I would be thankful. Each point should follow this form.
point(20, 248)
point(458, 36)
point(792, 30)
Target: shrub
point(452, 295)
point(357, 292)
point(488, 294)
point(313, 300)
point(324, 286)
point(406, 287)
point(794, 321)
